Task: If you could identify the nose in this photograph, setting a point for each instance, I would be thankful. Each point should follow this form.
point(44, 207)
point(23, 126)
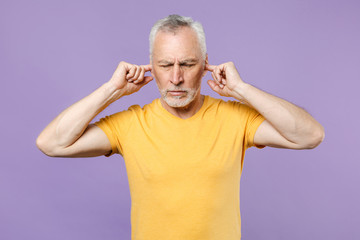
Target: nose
point(177, 75)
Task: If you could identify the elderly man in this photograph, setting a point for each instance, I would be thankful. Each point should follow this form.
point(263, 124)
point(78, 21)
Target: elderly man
point(183, 152)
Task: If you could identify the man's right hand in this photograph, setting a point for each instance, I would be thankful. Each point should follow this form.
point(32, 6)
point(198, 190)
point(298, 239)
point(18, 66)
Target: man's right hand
point(129, 78)
point(70, 134)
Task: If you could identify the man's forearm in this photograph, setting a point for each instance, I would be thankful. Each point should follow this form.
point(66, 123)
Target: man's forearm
point(70, 135)
point(69, 125)
point(291, 121)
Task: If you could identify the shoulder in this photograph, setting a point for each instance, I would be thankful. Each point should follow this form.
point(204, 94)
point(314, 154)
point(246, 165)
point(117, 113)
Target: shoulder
point(230, 105)
point(136, 108)
point(133, 110)
point(144, 110)
point(140, 112)
point(231, 110)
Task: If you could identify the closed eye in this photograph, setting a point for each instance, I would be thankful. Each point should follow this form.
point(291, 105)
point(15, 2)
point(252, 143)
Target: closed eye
point(187, 65)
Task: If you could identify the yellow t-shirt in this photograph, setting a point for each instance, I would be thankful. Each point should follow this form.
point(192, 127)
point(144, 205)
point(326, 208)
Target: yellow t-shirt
point(184, 174)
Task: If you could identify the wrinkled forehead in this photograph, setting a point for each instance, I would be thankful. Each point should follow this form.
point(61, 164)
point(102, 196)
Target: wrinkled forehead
point(180, 44)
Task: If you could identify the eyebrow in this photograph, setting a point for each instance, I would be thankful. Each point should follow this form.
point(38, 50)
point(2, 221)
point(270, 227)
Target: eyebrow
point(165, 62)
point(186, 61)
point(190, 60)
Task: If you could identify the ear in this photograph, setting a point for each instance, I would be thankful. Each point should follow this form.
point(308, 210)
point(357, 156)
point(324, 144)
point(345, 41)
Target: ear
point(206, 62)
point(152, 67)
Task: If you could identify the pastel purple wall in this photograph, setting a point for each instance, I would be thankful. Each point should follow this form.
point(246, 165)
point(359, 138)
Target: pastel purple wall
point(53, 53)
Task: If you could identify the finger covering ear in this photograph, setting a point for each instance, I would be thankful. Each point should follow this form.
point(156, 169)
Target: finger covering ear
point(213, 86)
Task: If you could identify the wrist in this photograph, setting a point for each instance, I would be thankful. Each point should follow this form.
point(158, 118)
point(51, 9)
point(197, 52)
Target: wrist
point(112, 91)
point(240, 91)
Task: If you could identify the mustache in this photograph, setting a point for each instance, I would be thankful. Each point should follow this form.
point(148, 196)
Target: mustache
point(176, 88)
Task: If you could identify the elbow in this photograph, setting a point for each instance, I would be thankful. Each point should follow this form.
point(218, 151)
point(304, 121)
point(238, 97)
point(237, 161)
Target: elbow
point(316, 138)
point(44, 147)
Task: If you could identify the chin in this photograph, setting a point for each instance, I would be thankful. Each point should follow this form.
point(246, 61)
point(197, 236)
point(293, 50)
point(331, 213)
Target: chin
point(178, 102)
point(181, 101)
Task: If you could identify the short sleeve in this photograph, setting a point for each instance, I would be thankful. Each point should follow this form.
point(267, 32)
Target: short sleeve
point(115, 127)
point(254, 121)
point(250, 119)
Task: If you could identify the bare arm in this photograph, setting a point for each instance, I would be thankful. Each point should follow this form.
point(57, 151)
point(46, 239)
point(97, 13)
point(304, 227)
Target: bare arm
point(71, 135)
point(286, 125)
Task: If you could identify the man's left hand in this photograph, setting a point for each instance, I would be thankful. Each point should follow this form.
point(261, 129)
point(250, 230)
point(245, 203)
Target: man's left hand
point(226, 79)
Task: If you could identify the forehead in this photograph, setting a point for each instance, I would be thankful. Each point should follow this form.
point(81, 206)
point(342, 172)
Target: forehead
point(183, 44)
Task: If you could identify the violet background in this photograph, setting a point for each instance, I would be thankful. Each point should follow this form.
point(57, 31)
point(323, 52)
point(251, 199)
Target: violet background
point(53, 53)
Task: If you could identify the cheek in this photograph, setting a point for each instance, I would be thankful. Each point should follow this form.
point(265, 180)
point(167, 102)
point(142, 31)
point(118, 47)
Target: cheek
point(196, 75)
point(160, 77)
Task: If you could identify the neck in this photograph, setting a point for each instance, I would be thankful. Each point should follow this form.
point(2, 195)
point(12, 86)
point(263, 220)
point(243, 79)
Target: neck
point(187, 111)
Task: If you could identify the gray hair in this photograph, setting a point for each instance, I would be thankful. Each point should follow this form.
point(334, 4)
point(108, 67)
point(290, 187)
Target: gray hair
point(173, 23)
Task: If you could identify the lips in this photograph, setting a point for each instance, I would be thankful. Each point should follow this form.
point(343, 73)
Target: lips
point(176, 93)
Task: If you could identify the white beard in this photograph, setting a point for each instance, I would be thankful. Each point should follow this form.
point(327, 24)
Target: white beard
point(178, 101)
